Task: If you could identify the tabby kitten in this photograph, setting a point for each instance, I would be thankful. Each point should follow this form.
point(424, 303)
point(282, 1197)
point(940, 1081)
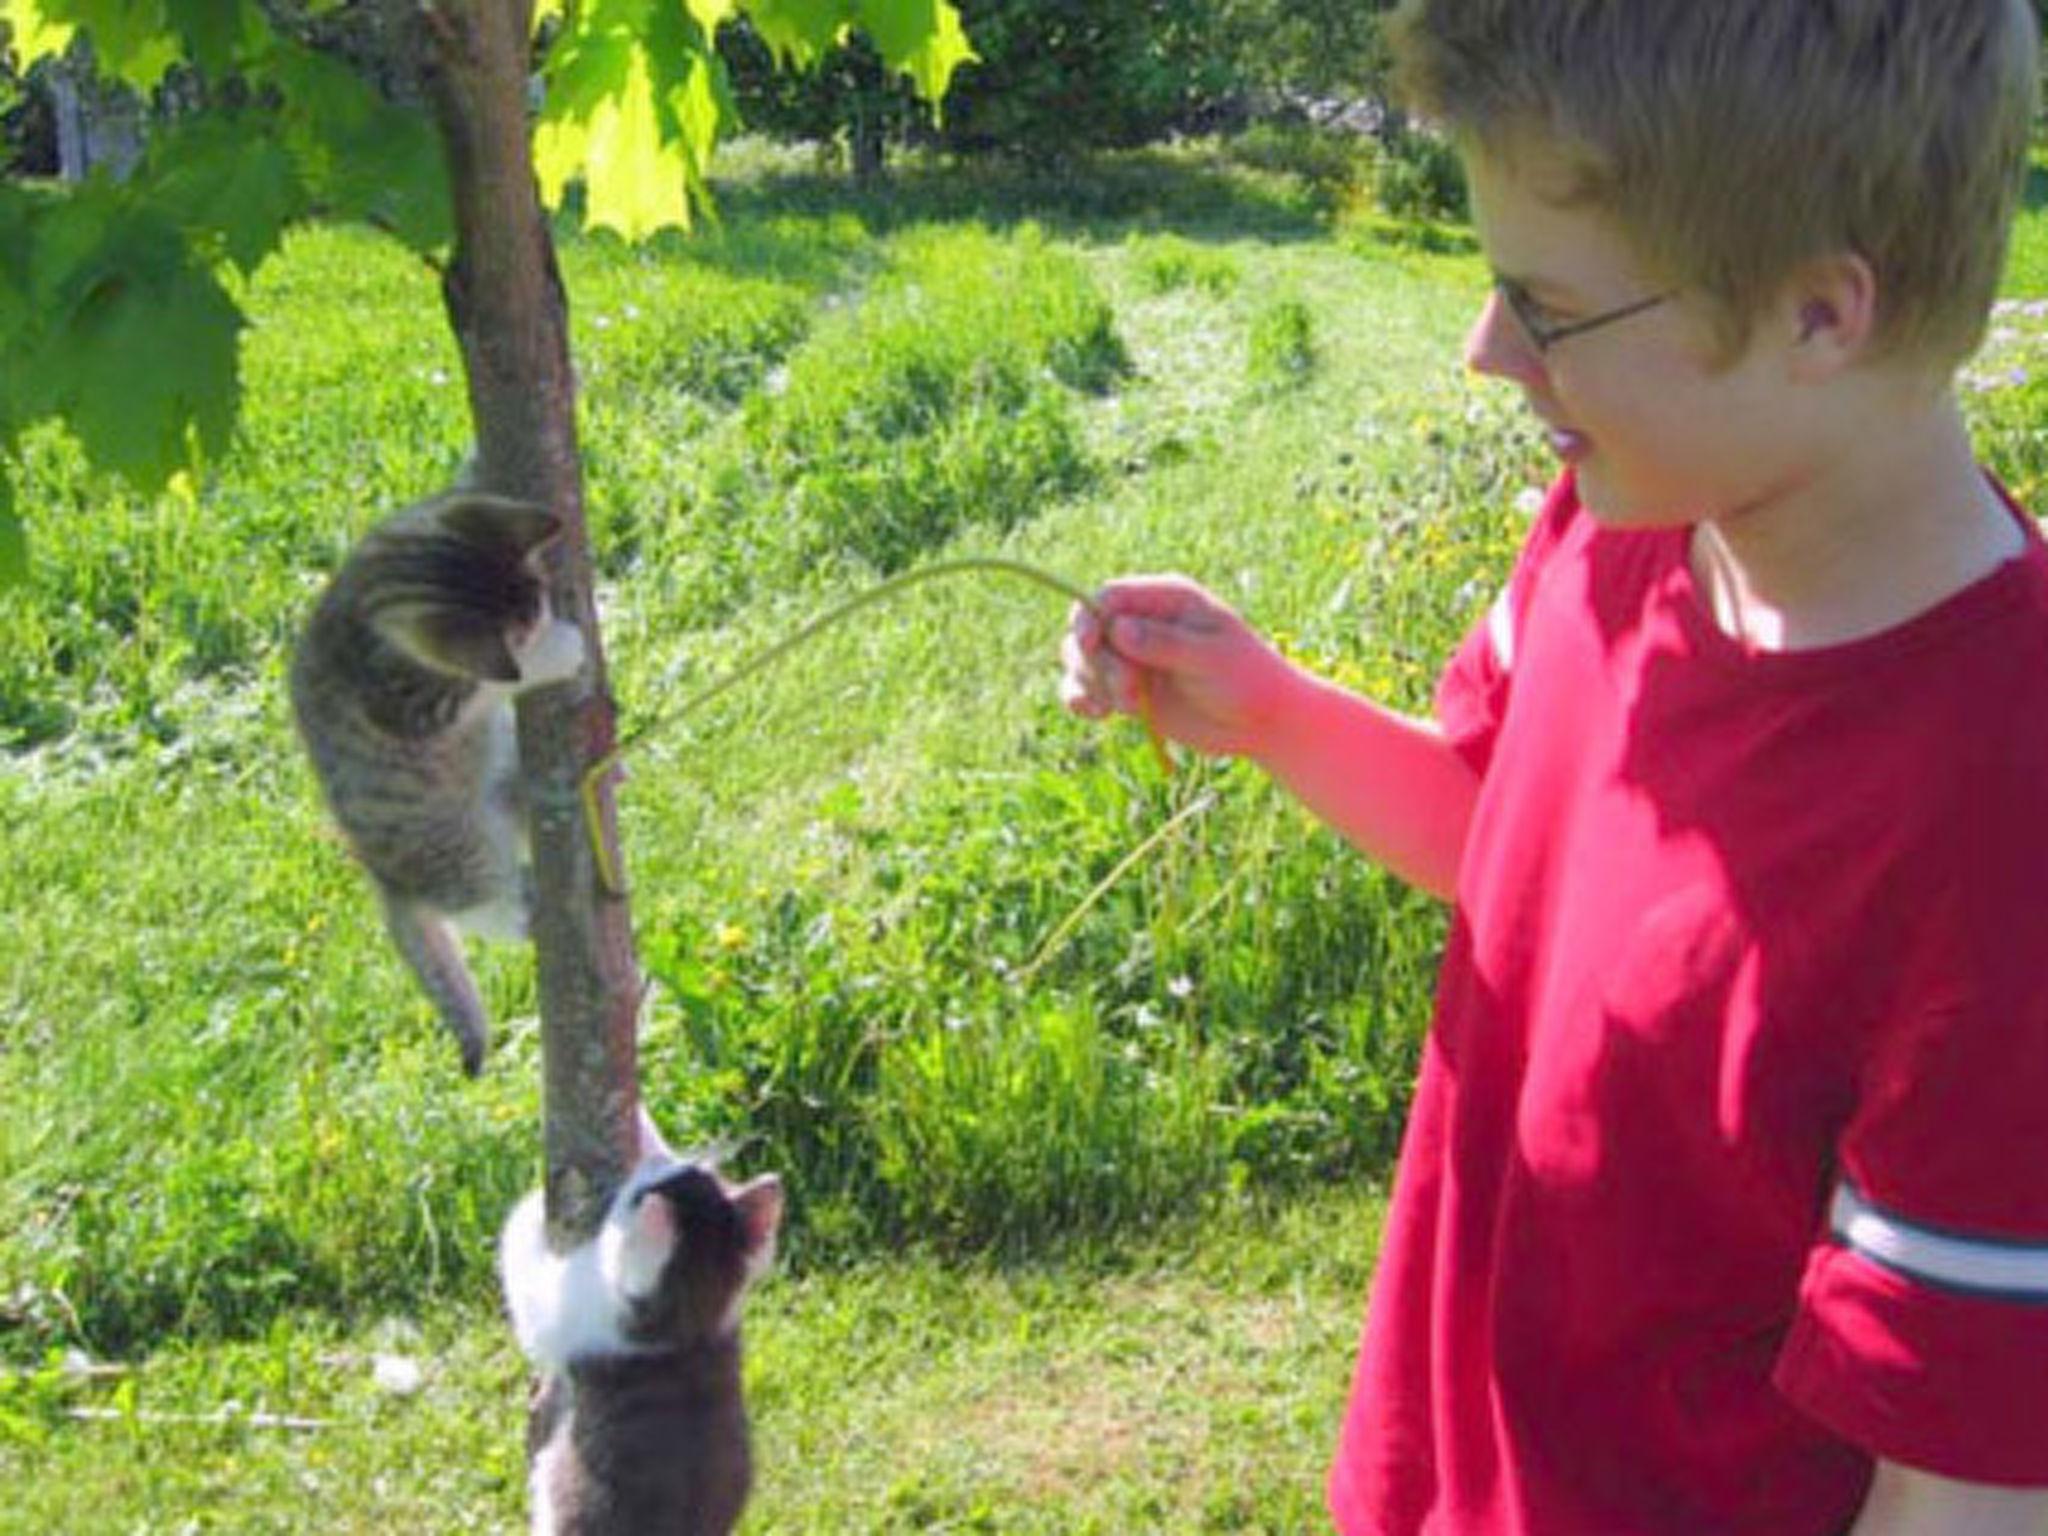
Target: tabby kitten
point(638, 1425)
point(402, 684)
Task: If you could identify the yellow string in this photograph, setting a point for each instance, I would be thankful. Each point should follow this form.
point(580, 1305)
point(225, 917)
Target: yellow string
point(1198, 806)
point(594, 776)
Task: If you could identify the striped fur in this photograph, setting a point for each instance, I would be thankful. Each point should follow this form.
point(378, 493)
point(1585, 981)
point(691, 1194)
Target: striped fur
point(402, 685)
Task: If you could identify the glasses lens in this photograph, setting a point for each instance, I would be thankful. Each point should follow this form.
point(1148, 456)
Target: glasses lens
point(1518, 306)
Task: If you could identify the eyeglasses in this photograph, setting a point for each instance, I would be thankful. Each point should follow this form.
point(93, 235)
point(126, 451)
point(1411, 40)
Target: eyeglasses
point(1543, 336)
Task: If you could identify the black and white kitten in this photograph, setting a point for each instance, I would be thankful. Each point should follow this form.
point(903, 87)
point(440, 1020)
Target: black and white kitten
point(639, 1426)
point(403, 684)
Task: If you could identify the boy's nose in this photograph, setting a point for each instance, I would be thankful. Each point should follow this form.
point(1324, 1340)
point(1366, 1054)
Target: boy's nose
point(1496, 345)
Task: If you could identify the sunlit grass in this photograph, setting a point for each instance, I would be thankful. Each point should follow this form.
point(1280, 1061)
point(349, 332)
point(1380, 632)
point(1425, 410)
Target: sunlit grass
point(237, 1153)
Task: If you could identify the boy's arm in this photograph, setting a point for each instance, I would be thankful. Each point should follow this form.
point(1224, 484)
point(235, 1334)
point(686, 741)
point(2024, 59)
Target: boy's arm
point(1905, 1502)
point(1390, 784)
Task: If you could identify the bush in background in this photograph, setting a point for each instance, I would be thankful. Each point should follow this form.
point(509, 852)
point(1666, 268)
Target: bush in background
point(944, 398)
point(1417, 176)
point(1057, 78)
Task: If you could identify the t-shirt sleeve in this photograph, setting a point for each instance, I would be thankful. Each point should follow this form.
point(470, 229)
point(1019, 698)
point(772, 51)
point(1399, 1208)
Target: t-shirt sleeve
point(1472, 691)
point(1922, 1326)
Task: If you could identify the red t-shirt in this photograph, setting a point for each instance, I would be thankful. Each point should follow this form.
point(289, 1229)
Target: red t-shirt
point(1728, 1164)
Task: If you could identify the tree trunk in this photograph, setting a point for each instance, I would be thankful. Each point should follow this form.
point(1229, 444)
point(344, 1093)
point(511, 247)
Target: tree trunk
point(510, 314)
point(868, 145)
point(867, 133)
point(99, 122)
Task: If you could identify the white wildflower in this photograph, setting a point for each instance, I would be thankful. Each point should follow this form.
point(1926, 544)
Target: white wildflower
point(399, 1375)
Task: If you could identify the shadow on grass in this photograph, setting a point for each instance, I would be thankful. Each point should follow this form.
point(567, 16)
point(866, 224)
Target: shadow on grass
point(783, 213)
point(1195, 193)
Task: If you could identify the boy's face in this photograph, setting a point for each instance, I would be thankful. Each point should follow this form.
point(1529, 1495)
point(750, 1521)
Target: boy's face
point(1661, 432)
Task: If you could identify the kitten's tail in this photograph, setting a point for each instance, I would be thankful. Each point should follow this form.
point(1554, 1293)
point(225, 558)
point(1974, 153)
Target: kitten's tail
point(434, 951)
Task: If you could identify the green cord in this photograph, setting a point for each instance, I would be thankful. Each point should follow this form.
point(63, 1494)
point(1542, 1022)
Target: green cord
point(593, 817)
point(1199, 806)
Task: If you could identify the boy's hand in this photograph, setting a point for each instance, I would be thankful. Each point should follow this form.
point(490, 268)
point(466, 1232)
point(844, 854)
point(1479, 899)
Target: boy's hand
point(1162, 647)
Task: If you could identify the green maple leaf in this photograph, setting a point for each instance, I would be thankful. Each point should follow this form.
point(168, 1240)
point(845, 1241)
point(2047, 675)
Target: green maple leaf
point(138, 347)
point(637, 183)
point(921, 38)
point(357, 155)
point(800, 32)
point(132, 40)
point(35, 33)
point(635, 101)
point(144, 422)
point(217, 34)
point(637, 96)
point(228, 183)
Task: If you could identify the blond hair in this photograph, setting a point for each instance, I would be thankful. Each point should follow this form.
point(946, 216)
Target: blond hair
point(1733, 140)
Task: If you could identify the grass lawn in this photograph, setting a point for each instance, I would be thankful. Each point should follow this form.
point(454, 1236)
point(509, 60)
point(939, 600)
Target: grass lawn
point(2026, 268)
point(1083, 1254)
point(1079, 1233)
point(1191, 1383)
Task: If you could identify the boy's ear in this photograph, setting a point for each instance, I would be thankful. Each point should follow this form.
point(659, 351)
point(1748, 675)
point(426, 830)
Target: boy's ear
point(1829, 313)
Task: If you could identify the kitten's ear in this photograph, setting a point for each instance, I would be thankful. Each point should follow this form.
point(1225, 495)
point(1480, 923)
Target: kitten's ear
point(457, 642)
point(479, 518)
point(759, 1202)
point(651, 1142)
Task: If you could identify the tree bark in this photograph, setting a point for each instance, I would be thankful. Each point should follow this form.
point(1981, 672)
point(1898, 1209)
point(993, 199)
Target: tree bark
point(867, 132)
point(510, 314)
point(99, 121)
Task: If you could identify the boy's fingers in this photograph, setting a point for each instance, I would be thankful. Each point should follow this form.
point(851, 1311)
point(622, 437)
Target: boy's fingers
point(1159, 597)
point(1083, 688)
point(1136, 624)
point(1074, 659)
point(1083, 629)
point(1154, 642)
point(1078, 700)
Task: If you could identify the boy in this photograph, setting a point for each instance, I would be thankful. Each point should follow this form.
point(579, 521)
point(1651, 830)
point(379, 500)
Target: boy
point(1723, 1205)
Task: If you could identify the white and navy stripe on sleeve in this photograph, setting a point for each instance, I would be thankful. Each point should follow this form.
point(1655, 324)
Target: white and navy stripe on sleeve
point(1996, 1268)
point(1500, 628)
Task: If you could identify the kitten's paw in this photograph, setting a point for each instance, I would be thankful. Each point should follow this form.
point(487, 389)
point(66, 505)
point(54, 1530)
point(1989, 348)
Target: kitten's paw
point(554, 656)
